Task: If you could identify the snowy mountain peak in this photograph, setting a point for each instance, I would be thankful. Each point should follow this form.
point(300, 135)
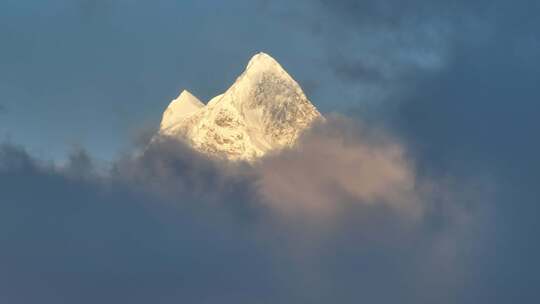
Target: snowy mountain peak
point(185, 104)
point(262, 65)
point(264, 110)
point(262, 61)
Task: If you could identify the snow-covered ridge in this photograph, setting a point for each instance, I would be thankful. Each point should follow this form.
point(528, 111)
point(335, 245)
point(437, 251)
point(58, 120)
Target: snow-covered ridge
point(264, 110)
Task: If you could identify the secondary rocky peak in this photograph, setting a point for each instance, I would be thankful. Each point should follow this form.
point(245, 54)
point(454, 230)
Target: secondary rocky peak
point(264, 110)
point(186, 96)
point(181, 107)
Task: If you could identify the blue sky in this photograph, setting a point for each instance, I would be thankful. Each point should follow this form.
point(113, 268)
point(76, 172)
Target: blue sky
point(91, 73)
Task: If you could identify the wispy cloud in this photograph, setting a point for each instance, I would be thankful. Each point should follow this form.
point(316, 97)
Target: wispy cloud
point(339, 163)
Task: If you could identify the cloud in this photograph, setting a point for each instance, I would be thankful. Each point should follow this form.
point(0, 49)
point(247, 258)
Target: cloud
point(470, 114)
point(74, 236)
point(339, 163)
point(168, 224)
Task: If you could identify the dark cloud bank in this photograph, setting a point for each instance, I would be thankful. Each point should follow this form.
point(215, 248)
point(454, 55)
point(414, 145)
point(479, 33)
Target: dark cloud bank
point(343, 217)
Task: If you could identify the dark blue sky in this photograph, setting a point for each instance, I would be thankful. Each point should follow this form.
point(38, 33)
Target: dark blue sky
point(455, 82)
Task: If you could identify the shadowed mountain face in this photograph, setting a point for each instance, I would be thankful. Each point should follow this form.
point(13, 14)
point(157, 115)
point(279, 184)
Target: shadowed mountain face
point(264, 110)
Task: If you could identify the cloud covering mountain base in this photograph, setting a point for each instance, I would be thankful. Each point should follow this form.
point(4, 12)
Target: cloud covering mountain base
point(343, 217)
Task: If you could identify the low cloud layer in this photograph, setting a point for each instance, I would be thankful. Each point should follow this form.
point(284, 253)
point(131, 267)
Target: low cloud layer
point(341, 215)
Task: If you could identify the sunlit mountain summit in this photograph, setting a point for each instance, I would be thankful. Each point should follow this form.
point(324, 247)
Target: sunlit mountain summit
point(264, 110)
